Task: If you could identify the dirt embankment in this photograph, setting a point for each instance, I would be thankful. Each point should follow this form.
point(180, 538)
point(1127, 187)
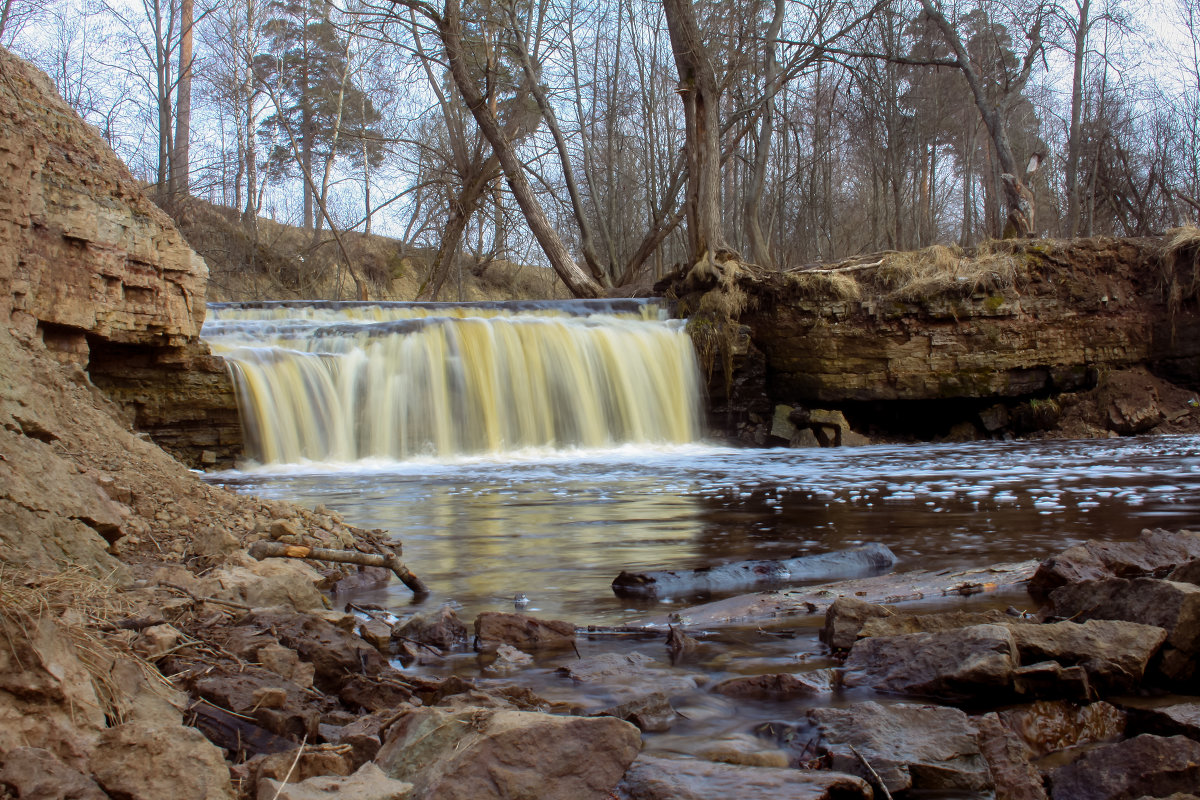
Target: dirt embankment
point(1089, 337)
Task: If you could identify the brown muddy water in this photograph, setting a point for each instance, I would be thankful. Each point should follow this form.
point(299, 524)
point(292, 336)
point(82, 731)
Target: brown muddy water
point(558, 526)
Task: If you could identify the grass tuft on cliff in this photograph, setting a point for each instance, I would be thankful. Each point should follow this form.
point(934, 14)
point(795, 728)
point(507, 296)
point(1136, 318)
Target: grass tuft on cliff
point(916, 275)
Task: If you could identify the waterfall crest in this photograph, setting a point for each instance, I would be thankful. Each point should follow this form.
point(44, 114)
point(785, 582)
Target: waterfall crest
point(348, 381)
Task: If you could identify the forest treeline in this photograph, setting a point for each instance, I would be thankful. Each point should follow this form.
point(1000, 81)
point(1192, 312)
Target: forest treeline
point(613, 139)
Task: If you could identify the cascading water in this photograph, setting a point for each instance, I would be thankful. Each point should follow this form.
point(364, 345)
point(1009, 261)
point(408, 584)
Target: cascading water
point(349, 381)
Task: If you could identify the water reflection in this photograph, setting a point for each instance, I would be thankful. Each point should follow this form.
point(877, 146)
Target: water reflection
point(560, 526)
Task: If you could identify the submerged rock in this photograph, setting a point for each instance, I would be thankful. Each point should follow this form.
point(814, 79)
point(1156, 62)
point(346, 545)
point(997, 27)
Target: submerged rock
point(845, 618)
point(493, 628)
point(923, 748)
point(630, 675)
point(655, 778)
point(481, 753)
point(779, 686)
point(441, 629)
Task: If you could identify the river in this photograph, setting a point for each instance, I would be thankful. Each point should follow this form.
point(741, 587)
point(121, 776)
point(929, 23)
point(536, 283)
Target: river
point(483, 523)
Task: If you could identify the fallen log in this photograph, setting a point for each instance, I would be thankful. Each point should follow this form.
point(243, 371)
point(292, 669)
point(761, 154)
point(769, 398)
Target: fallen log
point(265, 549)
point(811, 601)
point(741, 575)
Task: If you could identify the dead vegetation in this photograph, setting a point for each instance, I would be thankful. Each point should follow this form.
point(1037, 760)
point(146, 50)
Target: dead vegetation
point(1181, 267)
point(914, 276)
point(85, 609)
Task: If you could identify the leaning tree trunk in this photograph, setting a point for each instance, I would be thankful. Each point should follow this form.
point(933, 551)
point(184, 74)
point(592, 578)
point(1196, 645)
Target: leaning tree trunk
point(449, 29)
point(1017, 197)
point(702, 142)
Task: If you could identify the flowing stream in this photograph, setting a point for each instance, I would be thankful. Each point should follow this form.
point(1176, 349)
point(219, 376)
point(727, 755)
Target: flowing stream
point(495, 495)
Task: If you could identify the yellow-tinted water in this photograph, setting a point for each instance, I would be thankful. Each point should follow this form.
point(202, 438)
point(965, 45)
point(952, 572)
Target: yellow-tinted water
point(397, 381)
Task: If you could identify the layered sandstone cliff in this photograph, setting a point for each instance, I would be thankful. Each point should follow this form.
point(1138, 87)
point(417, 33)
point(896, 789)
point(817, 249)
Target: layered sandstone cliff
point(98, 274)
point(914, 343)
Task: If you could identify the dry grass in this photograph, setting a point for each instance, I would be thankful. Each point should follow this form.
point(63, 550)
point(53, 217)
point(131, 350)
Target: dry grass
point(915, 276)
point(941, 270)
point(79, 605)
point(828, 285)
point(1180, 270)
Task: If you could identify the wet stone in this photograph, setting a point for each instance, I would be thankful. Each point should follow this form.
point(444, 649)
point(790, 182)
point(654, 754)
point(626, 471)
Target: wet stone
point(493, 628)
point(1049, 726)
point(1114, 653)
point(779, 686)
point(629, 675)
point(914, 747)
point(1149, 765)
point(1153, 552)
point(1010, 761)
point(654, 778)
point(951, 665)
point(651, 714)
point(845, 618)
point(441, 629)
point(1181, 719)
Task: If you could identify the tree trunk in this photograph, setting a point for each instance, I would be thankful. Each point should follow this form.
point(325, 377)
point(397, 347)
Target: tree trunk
point(702, 142)
point(759, 249)
point(449, 29)
point(473, 190)
point(1074, 144)
point(180, 158)
point(1017, 197)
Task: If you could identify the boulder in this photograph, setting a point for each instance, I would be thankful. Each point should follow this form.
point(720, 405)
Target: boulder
point(186, 766)
point(334, 652)
point(655, 778)
point(368, 783)
point(897, 624)
point(1172, 606)
point(1154, 551)
point(441, 629)
point(1010, 761)
point(273, 582)
point(37, 774)
point(46, 692)
point(1177, 719)
point(247, 692)
point(950, 665)
point(1049, 726)
point(1114, 653)
point(1129, 402)
point(922, 748)
point(1149, 765)
point(650, 713)
point(845, 618)
point(493, 628)
point(481, 753)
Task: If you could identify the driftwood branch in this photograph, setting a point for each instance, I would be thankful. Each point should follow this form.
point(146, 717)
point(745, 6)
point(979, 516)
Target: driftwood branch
point(264, 549)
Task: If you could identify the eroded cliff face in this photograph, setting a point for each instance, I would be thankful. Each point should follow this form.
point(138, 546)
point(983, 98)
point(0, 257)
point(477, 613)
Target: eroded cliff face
point(98, 274)
point(914, 344)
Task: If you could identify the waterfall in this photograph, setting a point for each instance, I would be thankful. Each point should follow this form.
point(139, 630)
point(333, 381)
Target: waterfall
point(349, 381)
